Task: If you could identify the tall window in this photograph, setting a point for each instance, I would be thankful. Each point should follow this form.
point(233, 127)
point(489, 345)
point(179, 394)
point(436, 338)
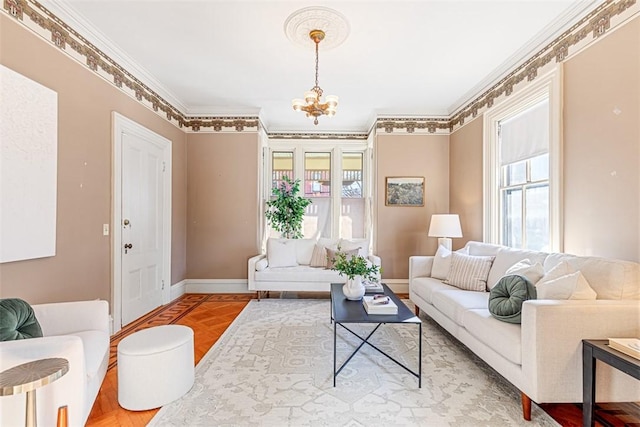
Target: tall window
point(524, 178)
point(522, 169)
point(333, 176)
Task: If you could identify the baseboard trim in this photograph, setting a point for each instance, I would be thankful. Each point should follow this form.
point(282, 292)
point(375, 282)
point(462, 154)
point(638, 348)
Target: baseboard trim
point(217, 286)
point(240, 286)
point(177, 290)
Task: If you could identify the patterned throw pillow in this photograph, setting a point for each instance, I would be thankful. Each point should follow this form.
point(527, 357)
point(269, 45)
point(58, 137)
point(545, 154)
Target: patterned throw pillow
point(469, 272)
point(319, 256)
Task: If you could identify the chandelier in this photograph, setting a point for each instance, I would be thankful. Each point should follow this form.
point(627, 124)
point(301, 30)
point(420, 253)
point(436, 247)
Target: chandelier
point(312, 103)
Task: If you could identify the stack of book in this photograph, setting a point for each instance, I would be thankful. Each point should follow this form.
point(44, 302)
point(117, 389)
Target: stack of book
point(379, 304)
point(629, 346)
point(373, 287)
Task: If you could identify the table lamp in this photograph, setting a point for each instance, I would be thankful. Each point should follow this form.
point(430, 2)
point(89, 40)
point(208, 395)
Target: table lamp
point(445, 226)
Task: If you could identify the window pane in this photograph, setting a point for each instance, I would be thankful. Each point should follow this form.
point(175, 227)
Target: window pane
point(281, 165)
point(352, 175)
point(317, 174)
point(512, 218)
point(352, 218)
point(540, 168)
point(515, 173)
point(317, 218)
point(537, 218)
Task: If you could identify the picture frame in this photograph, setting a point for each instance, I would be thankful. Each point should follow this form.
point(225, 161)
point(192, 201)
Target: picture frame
point(404, 191)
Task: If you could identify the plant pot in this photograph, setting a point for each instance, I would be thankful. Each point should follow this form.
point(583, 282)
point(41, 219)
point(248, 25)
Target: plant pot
point(353, 289)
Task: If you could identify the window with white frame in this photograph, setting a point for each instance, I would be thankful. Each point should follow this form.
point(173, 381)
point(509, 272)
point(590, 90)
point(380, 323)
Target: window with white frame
point(334, 176)
point(522, 169)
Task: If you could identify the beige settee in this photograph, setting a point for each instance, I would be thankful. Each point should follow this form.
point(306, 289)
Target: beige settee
point(300, 264)
point(542, 356)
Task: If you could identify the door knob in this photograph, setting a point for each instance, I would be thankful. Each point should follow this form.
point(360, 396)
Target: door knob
point(126, 222)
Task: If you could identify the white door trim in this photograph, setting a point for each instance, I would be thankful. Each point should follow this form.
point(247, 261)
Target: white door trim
point(122, 124)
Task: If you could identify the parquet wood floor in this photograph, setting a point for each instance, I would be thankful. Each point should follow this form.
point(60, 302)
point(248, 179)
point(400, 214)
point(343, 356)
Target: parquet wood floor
point(209, 315)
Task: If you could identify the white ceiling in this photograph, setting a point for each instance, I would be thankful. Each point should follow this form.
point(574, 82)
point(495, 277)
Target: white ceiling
point(401, 58)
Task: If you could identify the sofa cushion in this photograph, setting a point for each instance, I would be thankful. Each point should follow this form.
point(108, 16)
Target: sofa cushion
point(504, 338)
point(441, 263)
point(453, 303)
point(508, 295)
point(17, 320)
point(96, 346)
point(361, 244)
point(262, 264)
point(469, 272)
point(424, 287)
point(304, 250)
point(319, 256)
point(300, 273)
point(482, 249)
point(610, 279)
point(570, 286)
point(506, 258)
point(533, 273)
point(281, 253)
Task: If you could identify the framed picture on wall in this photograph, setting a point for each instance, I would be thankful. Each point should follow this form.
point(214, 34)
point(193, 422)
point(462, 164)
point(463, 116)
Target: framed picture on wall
point(404, 191)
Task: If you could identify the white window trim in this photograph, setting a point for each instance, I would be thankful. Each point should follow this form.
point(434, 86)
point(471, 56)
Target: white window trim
point(549, 84)
point(336, 148)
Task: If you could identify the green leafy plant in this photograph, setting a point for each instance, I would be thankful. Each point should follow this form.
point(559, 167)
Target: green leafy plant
point(286, 211)
point(354, 265)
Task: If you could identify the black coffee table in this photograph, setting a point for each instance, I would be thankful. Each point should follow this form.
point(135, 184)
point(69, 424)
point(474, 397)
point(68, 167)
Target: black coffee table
point(344, 311)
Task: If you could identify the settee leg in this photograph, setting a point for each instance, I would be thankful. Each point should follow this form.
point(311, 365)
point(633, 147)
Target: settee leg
point(526, 407)
point(417, 310)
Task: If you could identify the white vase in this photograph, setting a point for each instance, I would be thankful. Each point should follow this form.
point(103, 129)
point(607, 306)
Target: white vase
point(353, 289)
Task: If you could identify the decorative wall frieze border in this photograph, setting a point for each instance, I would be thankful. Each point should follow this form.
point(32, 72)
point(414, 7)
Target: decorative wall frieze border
point(319, 136)
point(413, 125)
point(597, 23)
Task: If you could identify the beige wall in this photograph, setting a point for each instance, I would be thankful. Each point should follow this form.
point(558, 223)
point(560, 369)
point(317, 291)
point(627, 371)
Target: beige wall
point(81, 268)
point(402, 231)
point(222, 204)
point(602, 148)
point(465, 180)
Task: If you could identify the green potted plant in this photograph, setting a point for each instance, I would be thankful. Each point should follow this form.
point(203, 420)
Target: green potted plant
point(286, 211)
point(356, 268)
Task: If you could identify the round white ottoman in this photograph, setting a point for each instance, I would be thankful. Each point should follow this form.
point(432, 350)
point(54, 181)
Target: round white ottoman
point(155, 367)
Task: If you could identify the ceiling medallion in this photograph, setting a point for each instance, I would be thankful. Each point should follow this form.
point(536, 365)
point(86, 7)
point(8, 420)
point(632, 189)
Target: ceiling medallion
point(301, 22)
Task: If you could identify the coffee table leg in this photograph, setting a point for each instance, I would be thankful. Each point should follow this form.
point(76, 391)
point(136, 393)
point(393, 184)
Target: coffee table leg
point(588, 385)
point(420, 355)
point(30, 416)
point(334, 353)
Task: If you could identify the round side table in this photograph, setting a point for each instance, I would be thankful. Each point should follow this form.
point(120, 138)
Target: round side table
point(30, 376)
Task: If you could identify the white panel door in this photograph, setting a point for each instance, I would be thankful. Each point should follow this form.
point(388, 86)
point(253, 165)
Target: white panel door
point(142, 226)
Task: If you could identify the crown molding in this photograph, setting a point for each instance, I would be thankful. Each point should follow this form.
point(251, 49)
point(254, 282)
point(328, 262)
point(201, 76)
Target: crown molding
point(353, 136)
point(551, 31)
point(73, 21)
point(599, 22)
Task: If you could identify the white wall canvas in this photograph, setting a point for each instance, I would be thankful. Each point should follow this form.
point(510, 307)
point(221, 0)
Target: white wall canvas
point(28, 167)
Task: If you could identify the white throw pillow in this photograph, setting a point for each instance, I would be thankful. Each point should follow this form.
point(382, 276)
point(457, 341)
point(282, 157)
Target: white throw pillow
point(469, 272)
point(361, 244)
point(262, 264)
point(569, 286)
point(441, 263)
point(524, 268)
point(281, 253)
point(304, 250)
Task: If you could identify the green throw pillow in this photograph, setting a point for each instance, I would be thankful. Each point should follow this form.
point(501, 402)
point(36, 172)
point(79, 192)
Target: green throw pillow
point(508, 295)
point(17, 320)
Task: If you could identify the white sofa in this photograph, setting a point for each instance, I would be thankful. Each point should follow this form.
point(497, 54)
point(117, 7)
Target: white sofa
point(76, 331)
point(542, 356)
point(298, 274)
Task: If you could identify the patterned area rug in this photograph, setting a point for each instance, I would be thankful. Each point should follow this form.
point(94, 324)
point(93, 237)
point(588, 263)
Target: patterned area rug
point(273, 367)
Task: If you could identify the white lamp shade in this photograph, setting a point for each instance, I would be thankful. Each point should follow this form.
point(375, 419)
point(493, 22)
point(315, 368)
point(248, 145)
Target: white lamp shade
point(445, 225)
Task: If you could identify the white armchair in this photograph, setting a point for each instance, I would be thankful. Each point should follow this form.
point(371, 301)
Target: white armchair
point(76, 331)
